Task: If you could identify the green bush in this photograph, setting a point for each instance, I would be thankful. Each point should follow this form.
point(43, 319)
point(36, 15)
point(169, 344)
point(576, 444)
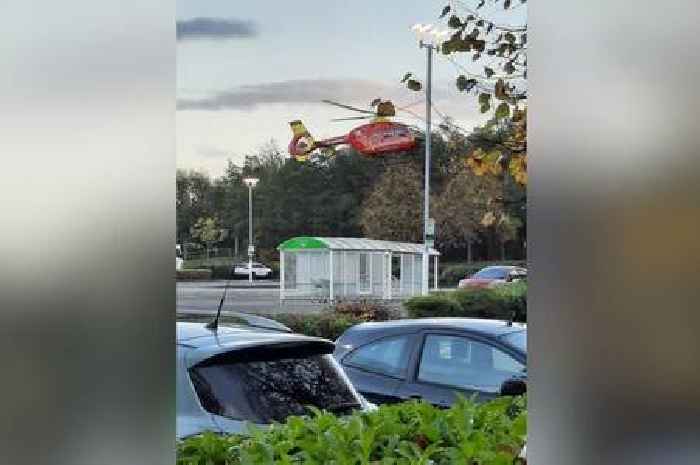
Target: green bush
point(220, 271)
point(411, 433)
point(365, 310)
point(451, 273)
point(432, 305)
point(482, 303)
point(502, 303)
point(191, 275)
point(325, 325)
point(333, 322)
point(515, 297)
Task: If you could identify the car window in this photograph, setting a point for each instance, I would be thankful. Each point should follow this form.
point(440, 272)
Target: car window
point(517, 339)
point(386, 356)
point(492, 273)
point(463, 363)
point(271, 390)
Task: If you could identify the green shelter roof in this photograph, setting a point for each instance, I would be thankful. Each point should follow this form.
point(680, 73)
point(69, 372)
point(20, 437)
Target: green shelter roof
point(351, 243)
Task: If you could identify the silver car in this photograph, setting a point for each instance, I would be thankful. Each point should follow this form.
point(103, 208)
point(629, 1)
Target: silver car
point(254, 371)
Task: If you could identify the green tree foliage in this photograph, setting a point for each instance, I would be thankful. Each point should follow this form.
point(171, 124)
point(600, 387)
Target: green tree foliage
point(461, 206)
point(193, 200)
point(207, 231)
point(491, 58)
point(392, 210)
point(497, 54)
point(328, 196)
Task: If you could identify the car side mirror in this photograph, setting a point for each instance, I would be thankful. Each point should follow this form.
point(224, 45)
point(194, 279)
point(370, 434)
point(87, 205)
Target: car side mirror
point(513, 387)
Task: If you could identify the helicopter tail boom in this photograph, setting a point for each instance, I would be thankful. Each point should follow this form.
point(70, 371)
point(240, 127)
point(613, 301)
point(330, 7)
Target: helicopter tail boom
point(303, 143)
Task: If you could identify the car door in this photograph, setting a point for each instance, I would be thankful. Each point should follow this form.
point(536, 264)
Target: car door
point(378, 367)
point(448, 364)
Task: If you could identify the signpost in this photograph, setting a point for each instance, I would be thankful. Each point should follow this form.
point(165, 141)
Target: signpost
point(430, 233)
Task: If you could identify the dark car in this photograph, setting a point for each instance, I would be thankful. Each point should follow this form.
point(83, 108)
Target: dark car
point(434, 359)
point(254, 371)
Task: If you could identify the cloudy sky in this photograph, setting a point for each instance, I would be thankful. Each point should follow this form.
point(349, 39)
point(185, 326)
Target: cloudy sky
point(245, 69)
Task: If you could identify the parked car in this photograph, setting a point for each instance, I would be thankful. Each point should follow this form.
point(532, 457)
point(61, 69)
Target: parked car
point(434, 359)
point(242, 270)
point(493, 276)
point(179, 261)
point(254, 371)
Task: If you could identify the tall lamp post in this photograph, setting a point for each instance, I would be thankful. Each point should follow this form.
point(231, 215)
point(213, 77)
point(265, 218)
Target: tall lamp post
point(430, 39)
point(251, 183)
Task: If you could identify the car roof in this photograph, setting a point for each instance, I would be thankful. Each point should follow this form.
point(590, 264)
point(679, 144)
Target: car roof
point(202, 342)
point(503, 267)
point(493, 328)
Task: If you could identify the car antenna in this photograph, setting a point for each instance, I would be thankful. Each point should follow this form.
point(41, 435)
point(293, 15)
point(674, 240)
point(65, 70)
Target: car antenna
point(214, 325)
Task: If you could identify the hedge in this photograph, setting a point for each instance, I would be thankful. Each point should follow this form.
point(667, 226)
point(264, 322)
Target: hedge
point(412, 433)
point(504, 302)
point(325, 325)
point(190, 275)
point(333, 322)
point(432, 305)
point(451, 273)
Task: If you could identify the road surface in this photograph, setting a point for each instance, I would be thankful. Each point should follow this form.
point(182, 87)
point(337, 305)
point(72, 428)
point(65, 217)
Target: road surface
point(263, 298)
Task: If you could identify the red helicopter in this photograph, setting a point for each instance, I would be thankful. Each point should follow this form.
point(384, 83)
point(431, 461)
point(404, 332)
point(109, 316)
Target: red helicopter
point(376, 138)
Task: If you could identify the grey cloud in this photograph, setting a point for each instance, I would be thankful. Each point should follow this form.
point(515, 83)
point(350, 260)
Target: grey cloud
point(214, 29)
point(208, 151)
point(353, 91)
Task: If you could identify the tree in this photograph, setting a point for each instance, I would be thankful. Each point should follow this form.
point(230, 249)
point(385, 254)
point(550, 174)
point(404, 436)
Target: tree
point(461, 206)
point(495, 74)
point(500, 51)
point(392, 210)
point(194, 200)
point(207, 231)
point(506, 229)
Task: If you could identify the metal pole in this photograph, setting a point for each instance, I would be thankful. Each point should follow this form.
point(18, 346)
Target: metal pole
point(281, 276)
point(250, 234)
point(426, 202)
point(331, 292)
point(435, 271)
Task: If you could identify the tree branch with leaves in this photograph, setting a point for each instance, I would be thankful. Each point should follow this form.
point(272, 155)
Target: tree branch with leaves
point(498, 83)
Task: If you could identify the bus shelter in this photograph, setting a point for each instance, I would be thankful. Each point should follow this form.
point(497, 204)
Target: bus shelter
point(342, 268)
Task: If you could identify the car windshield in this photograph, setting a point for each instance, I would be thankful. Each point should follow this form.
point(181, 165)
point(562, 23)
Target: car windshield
point(264, 391)
point(492, 273)
point(517, 339)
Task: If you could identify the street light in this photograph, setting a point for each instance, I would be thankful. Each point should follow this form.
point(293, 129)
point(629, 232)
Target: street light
point(251, 183)
point(429, 38)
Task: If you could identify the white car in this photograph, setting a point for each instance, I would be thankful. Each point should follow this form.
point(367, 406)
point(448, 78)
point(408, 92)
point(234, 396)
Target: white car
point(179, 261)
point(241, 270)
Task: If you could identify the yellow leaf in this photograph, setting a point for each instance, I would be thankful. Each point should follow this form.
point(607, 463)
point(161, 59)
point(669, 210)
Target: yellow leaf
point(477, 165)
point(518, 168)
point(488, 219)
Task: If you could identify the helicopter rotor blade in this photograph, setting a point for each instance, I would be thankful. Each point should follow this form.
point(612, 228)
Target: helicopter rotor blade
point(347, 107)
point(349, 118)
